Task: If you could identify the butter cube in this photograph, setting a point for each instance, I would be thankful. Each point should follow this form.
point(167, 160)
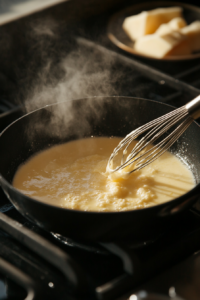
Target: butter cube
point(192, 31)
point(173, 25)
point(147, 22)
point(157, 46)
point(177, 23)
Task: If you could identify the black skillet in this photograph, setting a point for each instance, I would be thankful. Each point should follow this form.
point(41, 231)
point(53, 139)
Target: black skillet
point(97, 116)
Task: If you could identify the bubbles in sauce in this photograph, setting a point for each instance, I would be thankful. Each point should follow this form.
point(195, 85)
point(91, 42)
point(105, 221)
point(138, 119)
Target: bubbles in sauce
point(72, 175)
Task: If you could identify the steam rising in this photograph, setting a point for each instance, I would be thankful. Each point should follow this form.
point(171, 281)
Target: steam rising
point(66, 76)
point(85, 75)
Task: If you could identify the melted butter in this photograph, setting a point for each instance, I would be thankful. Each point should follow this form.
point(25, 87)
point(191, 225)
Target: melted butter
point(72, 175)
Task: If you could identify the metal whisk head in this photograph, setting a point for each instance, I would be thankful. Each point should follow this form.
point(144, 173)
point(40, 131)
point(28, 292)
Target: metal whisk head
point(162, 133)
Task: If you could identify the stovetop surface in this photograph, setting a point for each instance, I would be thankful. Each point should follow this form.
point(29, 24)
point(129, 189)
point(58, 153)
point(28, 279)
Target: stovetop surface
point(169, 263)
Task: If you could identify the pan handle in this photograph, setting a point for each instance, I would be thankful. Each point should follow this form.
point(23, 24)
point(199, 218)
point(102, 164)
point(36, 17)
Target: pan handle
point(51, 253)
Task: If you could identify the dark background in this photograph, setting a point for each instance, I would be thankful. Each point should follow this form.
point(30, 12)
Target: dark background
point(23, 53)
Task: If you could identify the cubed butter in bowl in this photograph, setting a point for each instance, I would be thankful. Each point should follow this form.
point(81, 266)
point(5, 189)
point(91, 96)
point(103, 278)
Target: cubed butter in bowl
point(147, 22)
point(162, 32)
point(154, 45)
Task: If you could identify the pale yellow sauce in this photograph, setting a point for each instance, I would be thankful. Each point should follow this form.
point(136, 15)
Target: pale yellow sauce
point(72, 176)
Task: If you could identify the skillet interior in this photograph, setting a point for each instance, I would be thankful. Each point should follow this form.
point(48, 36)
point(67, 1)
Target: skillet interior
point(98, 116)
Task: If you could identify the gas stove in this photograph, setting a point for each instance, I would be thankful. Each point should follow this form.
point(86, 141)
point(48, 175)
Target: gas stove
point(35, 264)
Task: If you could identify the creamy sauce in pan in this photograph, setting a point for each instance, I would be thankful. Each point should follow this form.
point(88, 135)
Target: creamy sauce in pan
point(72, 175)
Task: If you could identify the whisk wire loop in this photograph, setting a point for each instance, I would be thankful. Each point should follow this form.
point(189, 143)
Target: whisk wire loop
point(145, 141)
point(163, 146)
point(146, 150)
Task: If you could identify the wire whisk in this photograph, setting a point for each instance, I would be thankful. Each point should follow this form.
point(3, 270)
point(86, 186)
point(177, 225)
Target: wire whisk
point(142, 154)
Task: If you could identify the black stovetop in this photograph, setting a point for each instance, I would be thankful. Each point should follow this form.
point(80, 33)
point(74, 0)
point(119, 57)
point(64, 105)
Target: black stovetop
point(167, 264)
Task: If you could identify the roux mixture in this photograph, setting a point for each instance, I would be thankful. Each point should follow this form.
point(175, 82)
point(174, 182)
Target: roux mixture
point(72, 175)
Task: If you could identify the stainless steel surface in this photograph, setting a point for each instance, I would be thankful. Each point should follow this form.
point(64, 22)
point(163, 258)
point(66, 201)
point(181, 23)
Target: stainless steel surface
point(193, 108)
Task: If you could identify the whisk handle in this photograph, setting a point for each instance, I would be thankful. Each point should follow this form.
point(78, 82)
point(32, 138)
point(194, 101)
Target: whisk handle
point(193, 107)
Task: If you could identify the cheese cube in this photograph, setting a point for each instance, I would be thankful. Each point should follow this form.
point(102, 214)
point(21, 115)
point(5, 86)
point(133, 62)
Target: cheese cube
point(147, 22)
point(157, 46)
point(174, 24)
point(192, 31)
